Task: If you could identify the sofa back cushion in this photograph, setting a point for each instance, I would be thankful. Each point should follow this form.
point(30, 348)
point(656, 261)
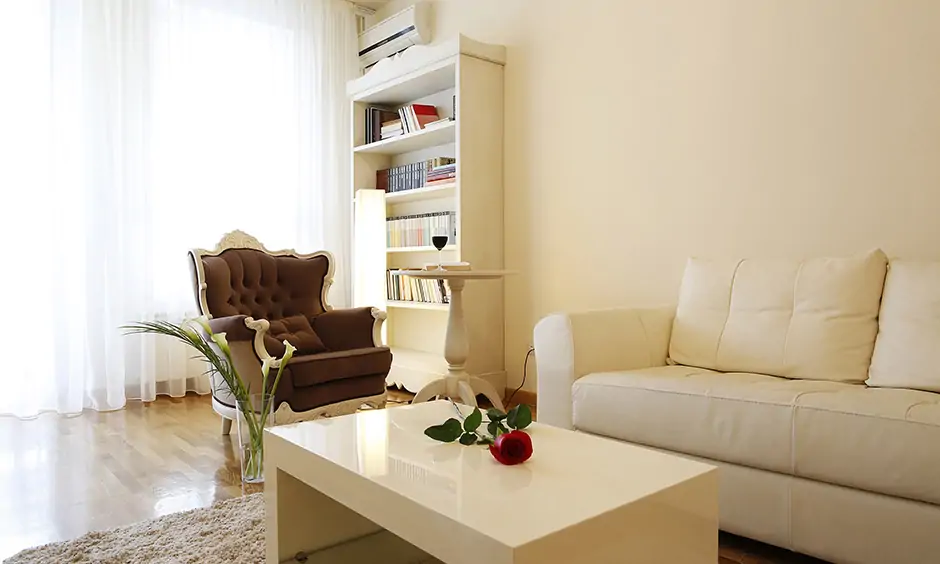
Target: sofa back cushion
point(815, 319)
point(909, 331)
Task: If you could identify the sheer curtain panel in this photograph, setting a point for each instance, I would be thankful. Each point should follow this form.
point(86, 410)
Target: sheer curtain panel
point(133, 130)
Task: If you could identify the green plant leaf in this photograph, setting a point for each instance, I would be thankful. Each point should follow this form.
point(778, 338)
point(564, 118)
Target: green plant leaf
point(468, 439)
point(473, 420)
point(494, 414)
point(447, 432)
point(484, 441)
point(523, 416)
point(502, 428)
point(493, 428)
point(511, 417)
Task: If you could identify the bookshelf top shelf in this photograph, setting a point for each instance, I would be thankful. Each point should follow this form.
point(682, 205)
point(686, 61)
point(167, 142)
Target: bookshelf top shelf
point(424, 139)
point(419, 70)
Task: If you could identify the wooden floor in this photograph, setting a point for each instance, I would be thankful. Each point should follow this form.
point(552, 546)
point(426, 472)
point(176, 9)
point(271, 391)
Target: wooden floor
point(63, 476)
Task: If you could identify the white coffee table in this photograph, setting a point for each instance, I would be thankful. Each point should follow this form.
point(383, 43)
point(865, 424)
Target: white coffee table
point(370, 487)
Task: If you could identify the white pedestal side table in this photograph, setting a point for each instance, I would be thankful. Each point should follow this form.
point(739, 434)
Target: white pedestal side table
point(458, 384)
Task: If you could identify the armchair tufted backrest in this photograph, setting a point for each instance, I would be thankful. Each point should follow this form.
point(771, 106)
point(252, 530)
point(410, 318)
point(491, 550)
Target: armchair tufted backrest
point(260, 284)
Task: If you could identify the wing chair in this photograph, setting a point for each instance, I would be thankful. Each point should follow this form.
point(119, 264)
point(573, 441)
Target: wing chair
point(259, 298)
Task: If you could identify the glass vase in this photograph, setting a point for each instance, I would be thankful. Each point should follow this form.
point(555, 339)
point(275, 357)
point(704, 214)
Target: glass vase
point(254, 415)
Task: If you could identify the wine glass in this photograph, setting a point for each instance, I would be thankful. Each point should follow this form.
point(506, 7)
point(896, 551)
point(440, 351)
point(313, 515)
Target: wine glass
point(439, 240)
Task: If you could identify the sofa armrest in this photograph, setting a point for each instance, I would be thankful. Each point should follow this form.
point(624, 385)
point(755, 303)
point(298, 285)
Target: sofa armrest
point(352, 328)
point(571, 345)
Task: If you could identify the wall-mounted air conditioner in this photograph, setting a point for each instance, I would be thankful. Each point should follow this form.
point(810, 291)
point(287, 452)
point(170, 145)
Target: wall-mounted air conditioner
point(411, 26)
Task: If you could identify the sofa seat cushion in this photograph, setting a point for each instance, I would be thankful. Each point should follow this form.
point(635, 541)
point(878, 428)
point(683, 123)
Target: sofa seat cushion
point(812, 320)
point(887, 441)
point(882, 440)
point(311, 370)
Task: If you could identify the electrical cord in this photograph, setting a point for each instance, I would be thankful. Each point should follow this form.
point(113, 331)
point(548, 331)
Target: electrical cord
point(525, 370)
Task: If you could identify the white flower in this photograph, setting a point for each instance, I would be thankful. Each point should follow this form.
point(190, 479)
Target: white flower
point(266, 366)
point(289, 350)
point(204, 322)
point(219, 339)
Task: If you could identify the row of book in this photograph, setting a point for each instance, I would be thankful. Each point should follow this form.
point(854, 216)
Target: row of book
point(384, 123)
point(405, 288)
point(415, 175)
point(417, 230)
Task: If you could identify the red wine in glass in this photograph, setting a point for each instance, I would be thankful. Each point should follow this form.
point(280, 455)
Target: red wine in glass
point(439, 241)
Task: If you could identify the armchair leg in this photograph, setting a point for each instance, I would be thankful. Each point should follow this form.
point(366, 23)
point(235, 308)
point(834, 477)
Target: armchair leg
point(226, 426)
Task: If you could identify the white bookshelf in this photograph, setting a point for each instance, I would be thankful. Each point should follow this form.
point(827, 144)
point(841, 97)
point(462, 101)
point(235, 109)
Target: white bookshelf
point(460, 74)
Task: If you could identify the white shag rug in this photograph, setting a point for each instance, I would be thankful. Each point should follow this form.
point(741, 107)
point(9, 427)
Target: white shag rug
point(229, 532)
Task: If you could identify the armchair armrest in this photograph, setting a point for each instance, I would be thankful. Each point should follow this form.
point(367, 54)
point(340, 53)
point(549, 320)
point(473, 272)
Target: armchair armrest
point(233, 326)
point(571, 345)
point(241, 328)
point(352, 328)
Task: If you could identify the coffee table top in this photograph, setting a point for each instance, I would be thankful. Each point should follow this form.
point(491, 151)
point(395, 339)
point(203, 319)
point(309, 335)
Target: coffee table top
point(570, 478)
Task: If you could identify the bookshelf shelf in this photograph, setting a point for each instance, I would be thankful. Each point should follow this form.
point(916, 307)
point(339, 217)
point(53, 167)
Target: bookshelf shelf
point(420, 194)
point(461, 79)
point(401, 304)
point(424, 139)
point(427, 249)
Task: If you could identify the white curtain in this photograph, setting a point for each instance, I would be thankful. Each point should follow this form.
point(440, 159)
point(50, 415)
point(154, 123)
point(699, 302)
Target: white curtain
point(133, 130)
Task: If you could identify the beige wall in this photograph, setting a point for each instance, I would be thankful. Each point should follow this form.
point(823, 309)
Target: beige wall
point(640, 132)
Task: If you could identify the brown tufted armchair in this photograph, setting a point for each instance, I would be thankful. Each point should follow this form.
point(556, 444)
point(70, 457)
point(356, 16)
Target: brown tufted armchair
point(259, 298)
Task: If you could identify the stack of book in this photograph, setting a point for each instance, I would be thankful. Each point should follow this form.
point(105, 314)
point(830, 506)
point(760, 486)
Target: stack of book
point(441, 174)
point(412, 175)
point(392, 129)
point(417, 230)
point(405, 288)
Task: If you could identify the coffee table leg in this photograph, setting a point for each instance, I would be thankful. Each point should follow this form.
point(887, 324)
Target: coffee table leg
point(298, 518)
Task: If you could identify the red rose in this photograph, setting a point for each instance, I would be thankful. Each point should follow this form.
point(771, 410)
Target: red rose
point(514, 447)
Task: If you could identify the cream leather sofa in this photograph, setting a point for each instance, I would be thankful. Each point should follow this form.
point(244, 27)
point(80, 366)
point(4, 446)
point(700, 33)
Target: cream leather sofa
point(812, 385)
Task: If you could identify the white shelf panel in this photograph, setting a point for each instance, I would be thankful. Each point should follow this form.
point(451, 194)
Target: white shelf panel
point(424, 139)
point(428, 249)
point(419, 194)
point(403, 304)
point(413, 85)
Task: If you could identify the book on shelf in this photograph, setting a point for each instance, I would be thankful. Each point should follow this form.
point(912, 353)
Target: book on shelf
point(404, 288)
point(416, 175)
point(417, 230)
point(392, 129)
point(442, 182)
point(376, 116)
point(414, 117)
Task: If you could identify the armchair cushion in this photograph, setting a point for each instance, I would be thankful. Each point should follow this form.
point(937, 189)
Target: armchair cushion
point(346, 329)
point(312, 370)
point(297, 331)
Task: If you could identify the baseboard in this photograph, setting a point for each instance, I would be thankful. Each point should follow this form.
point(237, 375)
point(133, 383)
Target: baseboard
point(522, 396)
